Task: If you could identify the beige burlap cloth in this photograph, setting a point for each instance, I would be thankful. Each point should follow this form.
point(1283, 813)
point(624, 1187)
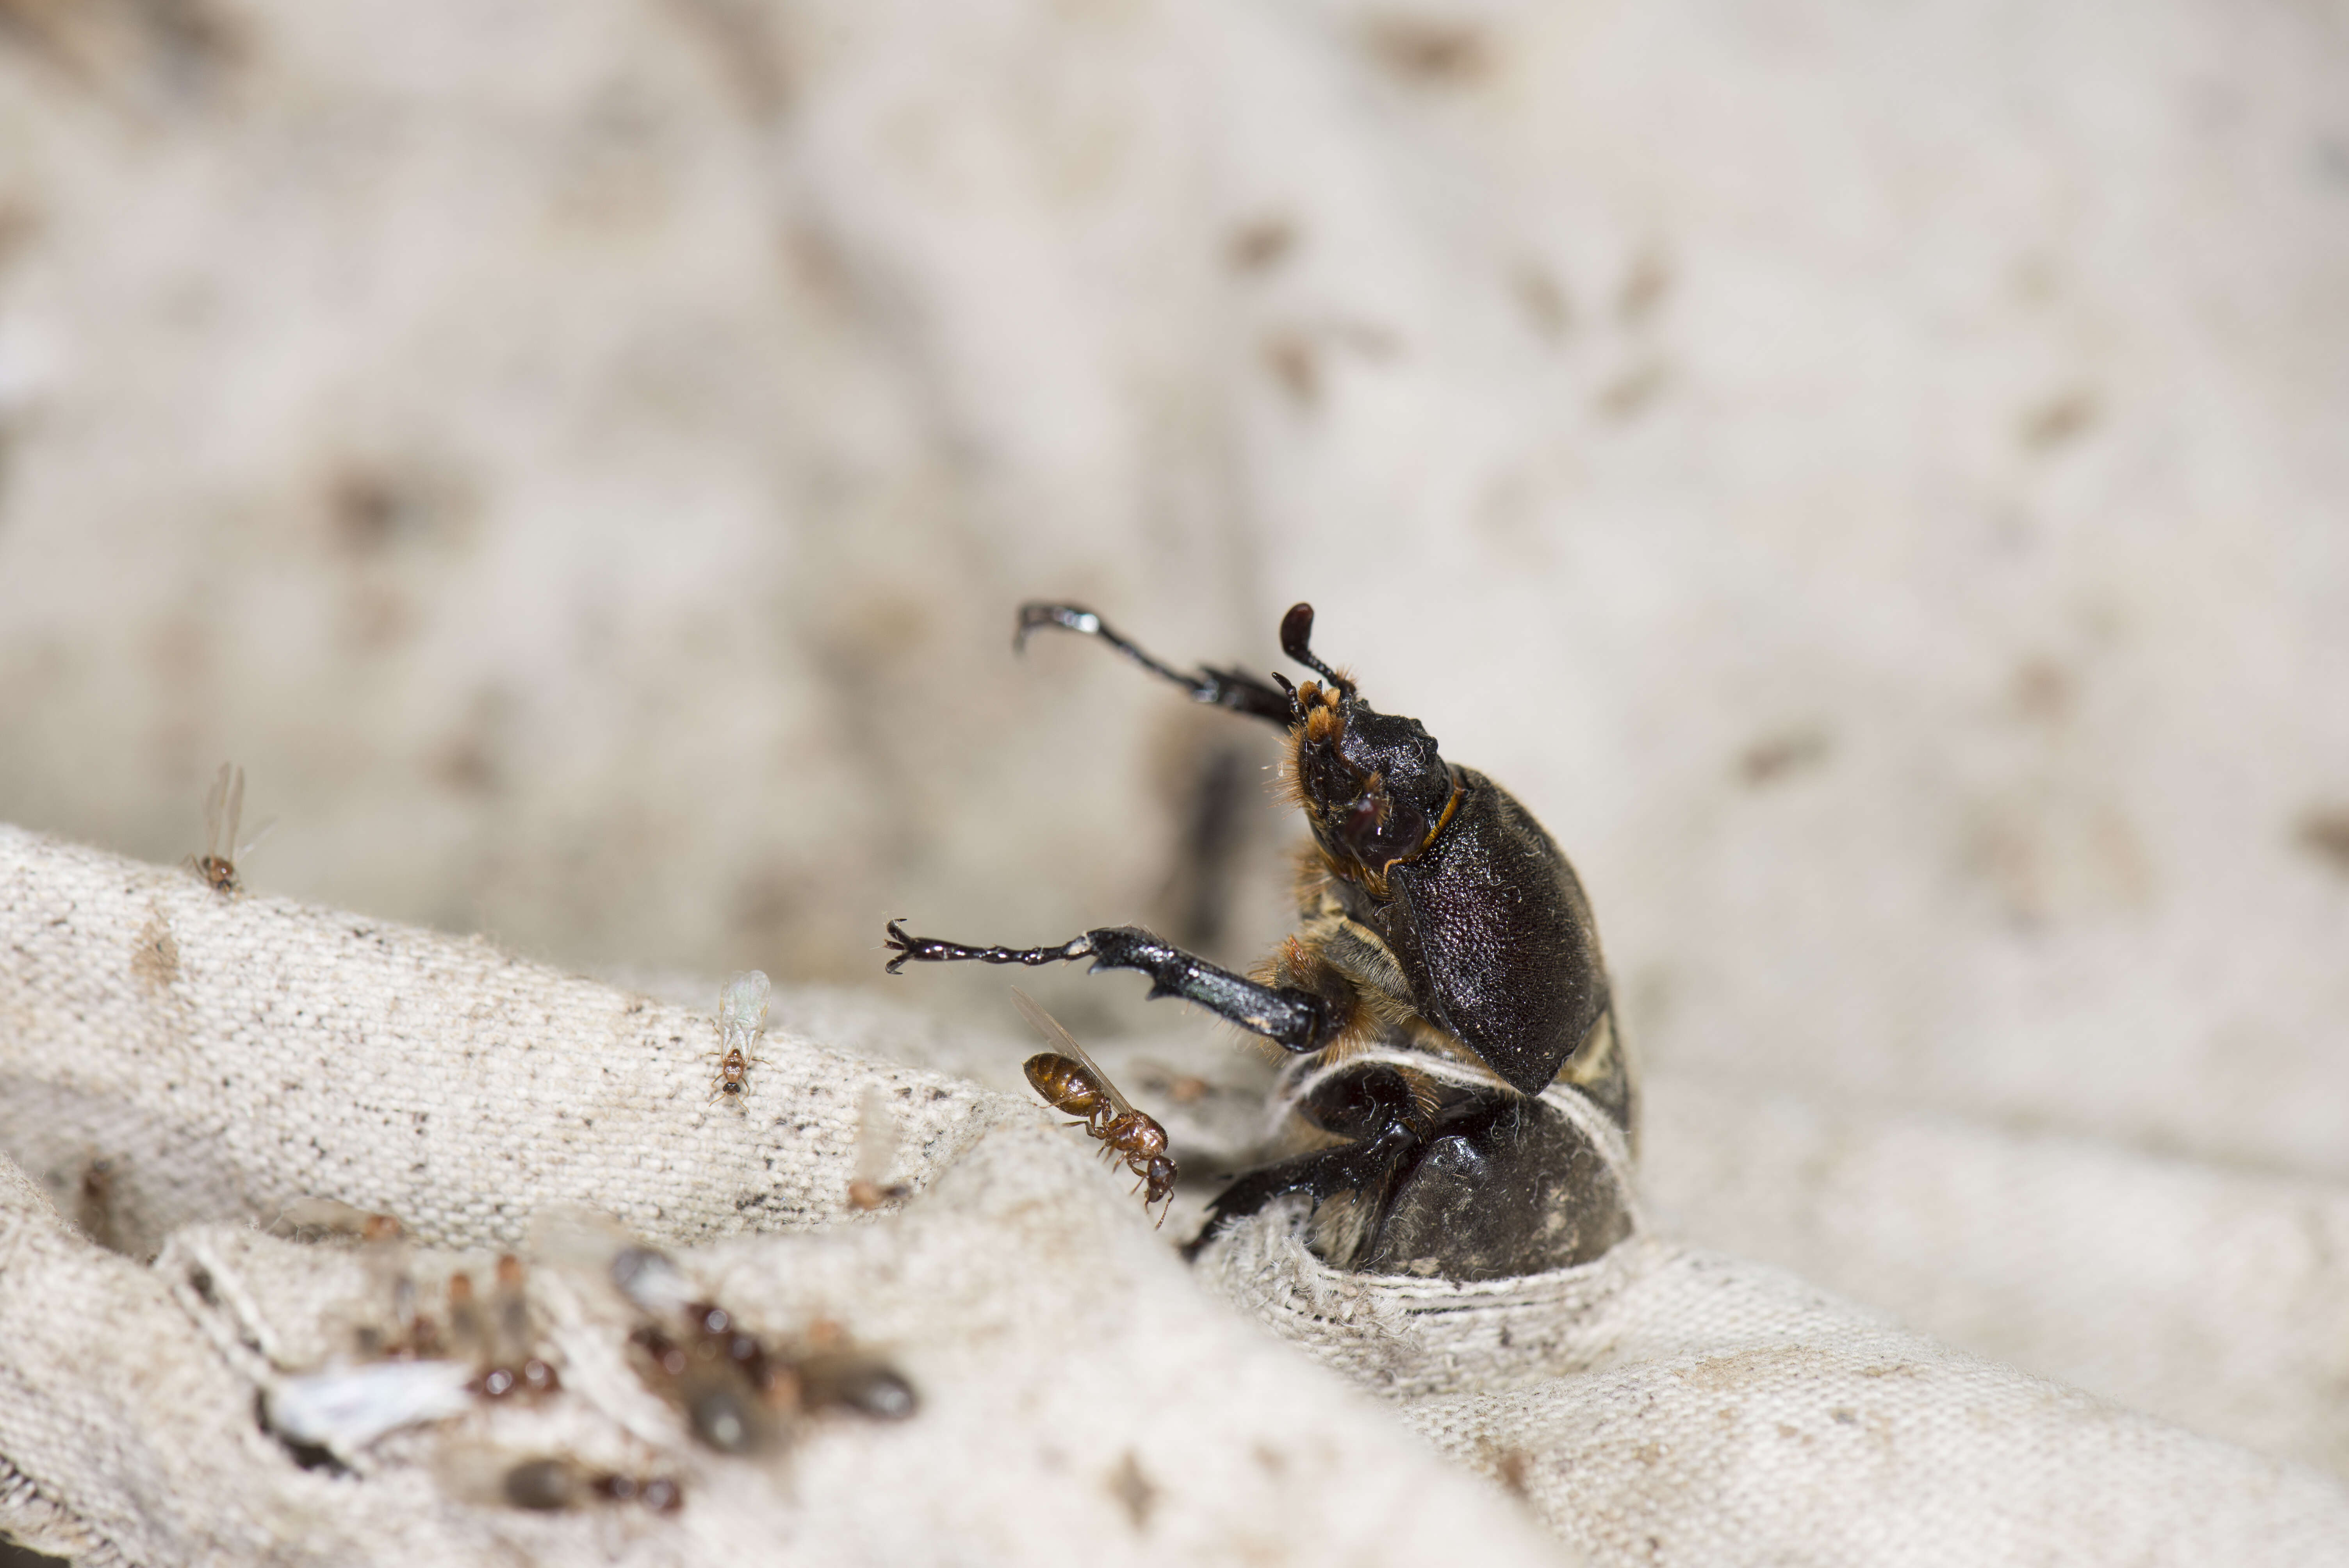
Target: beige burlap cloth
point(1085, 1398)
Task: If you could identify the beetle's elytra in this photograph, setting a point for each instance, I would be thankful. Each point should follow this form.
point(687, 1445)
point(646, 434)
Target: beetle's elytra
point(1459, 1105)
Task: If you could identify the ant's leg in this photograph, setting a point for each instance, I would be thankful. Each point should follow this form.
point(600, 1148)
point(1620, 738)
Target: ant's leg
point(1292, 1019)
point(1233, 689)
point(1361, 1167)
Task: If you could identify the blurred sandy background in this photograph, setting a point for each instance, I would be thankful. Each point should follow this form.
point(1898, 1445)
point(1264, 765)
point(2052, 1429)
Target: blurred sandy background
point(1872, 479)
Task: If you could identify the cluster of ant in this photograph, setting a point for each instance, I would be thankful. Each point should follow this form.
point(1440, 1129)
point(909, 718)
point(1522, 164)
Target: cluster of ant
point(496, 1337)
point(412, 1366)
point(738, 1394)
point(416, 1369)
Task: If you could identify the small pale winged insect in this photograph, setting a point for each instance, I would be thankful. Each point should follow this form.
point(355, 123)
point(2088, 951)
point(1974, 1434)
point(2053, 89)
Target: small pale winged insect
point(223, 813)
point(1070, 1080)
point(876, 1147)
point(331, 1219)
point(741, 1016)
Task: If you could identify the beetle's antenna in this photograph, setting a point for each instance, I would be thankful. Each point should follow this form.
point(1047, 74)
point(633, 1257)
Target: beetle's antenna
point(1296, 641)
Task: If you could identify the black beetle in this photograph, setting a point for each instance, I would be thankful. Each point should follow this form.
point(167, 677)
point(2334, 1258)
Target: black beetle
point(1460, 1102)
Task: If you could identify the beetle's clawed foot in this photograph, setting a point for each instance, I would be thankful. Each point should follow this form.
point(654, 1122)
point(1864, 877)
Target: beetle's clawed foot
point(930, 950)
point(906, 947)
point(1070, 617)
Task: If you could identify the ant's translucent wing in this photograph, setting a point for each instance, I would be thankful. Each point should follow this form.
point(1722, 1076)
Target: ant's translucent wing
point(1060, 1039)
point(224, 804)
point(254, 842)
point(743, 1008)
point(876, 1137)
point(234, 816)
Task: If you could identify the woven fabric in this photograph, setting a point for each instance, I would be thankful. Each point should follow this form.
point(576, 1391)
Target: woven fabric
point(1083, 1394)
point(2212, 1295)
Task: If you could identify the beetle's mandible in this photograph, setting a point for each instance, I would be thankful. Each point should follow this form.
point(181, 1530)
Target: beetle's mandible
point(1458, 1103)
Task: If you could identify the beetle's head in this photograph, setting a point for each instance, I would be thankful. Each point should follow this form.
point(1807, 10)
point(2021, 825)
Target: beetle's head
point(1374, 786)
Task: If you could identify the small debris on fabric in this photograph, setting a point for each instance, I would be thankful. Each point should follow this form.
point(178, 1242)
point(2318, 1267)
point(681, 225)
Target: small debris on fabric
point(1629, 393)
point(1773, 757)
point(1257, 247)
point(1134, 1490)
point(1434, 51)
point(1645, 288)
point(2324, 833)
point(347, 1407)
point(96, 1214)
point(2059, 420)
point(1543, 299)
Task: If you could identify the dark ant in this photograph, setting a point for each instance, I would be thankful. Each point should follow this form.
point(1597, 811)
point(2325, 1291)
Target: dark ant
point(737, 1395)
point(548, 1485)
point(1075, 1083)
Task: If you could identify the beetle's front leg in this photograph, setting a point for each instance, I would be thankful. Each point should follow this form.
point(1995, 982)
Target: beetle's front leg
point(1294, 1019)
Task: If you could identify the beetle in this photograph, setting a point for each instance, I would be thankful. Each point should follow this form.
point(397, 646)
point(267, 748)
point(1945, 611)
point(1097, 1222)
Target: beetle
point(1458, 1103)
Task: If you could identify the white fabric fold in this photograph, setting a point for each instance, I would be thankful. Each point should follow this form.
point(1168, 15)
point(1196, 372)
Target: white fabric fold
point(1083, 1394)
